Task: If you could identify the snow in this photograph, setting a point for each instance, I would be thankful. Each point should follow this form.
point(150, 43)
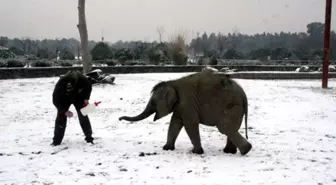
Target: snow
point(292, 130)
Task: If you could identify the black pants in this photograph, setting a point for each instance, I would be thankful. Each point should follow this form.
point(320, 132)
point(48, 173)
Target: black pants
point(61, 121)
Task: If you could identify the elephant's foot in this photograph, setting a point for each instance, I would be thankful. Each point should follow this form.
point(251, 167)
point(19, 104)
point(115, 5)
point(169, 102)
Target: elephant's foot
point(230, 150)
point(245, 149)
point(197, 150)
point(168, 147)
point(230, 147)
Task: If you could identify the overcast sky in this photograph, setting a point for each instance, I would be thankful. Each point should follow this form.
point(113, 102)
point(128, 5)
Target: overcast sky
point(138, 19)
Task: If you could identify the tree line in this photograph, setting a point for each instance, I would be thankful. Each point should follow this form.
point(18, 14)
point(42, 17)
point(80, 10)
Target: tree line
point(264, 46)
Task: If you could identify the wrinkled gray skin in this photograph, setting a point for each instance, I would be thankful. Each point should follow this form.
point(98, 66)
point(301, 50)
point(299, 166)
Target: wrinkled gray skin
point(209, 98)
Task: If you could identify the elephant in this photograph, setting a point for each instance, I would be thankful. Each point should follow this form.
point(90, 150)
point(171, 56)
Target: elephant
point(208, 98)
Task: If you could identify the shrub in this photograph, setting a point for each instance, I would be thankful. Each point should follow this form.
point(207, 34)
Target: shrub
point(213, 61)
point(131, 63)
point(2, 63)
point(32, 58)
point(15, 63)
point(178, 49)
point(66, 54)
point(6, 54)
point(110, 62)
point(65, 64)
point(180, 58)
point(101, 51)
point(155, 56)
point(203, 61)
point(41, 63)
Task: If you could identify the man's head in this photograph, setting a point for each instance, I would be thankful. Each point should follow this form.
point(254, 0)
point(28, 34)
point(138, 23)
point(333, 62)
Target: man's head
point(71, 79)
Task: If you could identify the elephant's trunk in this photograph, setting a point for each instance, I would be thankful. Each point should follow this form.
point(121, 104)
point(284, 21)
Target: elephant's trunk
point(149, 110)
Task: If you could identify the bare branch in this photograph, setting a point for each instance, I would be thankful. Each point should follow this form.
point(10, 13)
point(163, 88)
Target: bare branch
point(160, 30)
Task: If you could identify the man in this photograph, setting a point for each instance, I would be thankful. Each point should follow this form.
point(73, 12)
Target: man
point(72, 88)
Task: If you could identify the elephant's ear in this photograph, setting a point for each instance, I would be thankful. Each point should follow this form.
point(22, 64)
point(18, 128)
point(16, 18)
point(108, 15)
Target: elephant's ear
point(170, 97)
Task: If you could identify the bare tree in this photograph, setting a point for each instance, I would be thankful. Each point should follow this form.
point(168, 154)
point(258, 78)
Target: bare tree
point(160, 30)
point(83, 33)
point(178, 47)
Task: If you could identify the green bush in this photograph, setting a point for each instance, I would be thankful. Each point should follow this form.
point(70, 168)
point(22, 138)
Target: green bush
point(131, 63)
point(2, 63)
point(41, 63)
point(203, 61)
point(65, 64)
point(15, 63)
point(6, 54)
point(32, 58)
point(213, 61)
point(110, 62)
point(66, 54)
point(101, 51)
point(155, 56)
point(180, 58)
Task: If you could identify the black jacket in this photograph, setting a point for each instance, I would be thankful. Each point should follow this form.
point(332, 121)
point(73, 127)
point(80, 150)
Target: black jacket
point(73, 87)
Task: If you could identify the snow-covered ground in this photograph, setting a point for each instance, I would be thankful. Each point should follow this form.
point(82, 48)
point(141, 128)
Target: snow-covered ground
point(292, 130)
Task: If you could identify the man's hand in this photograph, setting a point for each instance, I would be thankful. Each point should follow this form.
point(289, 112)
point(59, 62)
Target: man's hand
point(69, 114)
point(86, 102)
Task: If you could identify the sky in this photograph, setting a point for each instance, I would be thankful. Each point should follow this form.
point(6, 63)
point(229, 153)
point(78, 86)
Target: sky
point(139, 19)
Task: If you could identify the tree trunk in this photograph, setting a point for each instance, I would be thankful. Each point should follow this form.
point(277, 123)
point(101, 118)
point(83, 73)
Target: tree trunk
point(83, 33)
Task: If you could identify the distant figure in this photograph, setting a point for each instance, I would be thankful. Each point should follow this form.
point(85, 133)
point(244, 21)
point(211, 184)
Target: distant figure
point(72, 88)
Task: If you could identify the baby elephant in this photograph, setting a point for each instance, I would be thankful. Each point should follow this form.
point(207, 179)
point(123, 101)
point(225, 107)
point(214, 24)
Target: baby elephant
point(209, 98)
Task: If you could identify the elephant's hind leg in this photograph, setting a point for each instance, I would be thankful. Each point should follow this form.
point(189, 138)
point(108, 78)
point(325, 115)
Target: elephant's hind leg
point(242, 144)
point(230, 147)
point(230, 126)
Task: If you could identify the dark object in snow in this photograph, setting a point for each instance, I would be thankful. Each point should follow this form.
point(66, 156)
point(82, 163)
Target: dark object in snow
point(142, 154)
point(90, 174)
point(57, 151)
point(123, 169)
point(39, 152)
point(97, 76)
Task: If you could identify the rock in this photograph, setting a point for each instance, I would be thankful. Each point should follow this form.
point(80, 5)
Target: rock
point(209, 69)
point(224, 69)
point(331, 69)
point(141, 154)
point(302, 69)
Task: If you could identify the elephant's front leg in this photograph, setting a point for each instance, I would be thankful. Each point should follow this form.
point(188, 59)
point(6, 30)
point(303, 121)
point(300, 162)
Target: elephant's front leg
point(174, 129)
point(192, 129)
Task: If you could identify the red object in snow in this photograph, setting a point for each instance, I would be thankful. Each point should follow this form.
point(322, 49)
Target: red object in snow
point(97, 103)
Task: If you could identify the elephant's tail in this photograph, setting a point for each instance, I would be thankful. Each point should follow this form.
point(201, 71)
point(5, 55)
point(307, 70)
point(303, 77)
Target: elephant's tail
point(245, 103)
